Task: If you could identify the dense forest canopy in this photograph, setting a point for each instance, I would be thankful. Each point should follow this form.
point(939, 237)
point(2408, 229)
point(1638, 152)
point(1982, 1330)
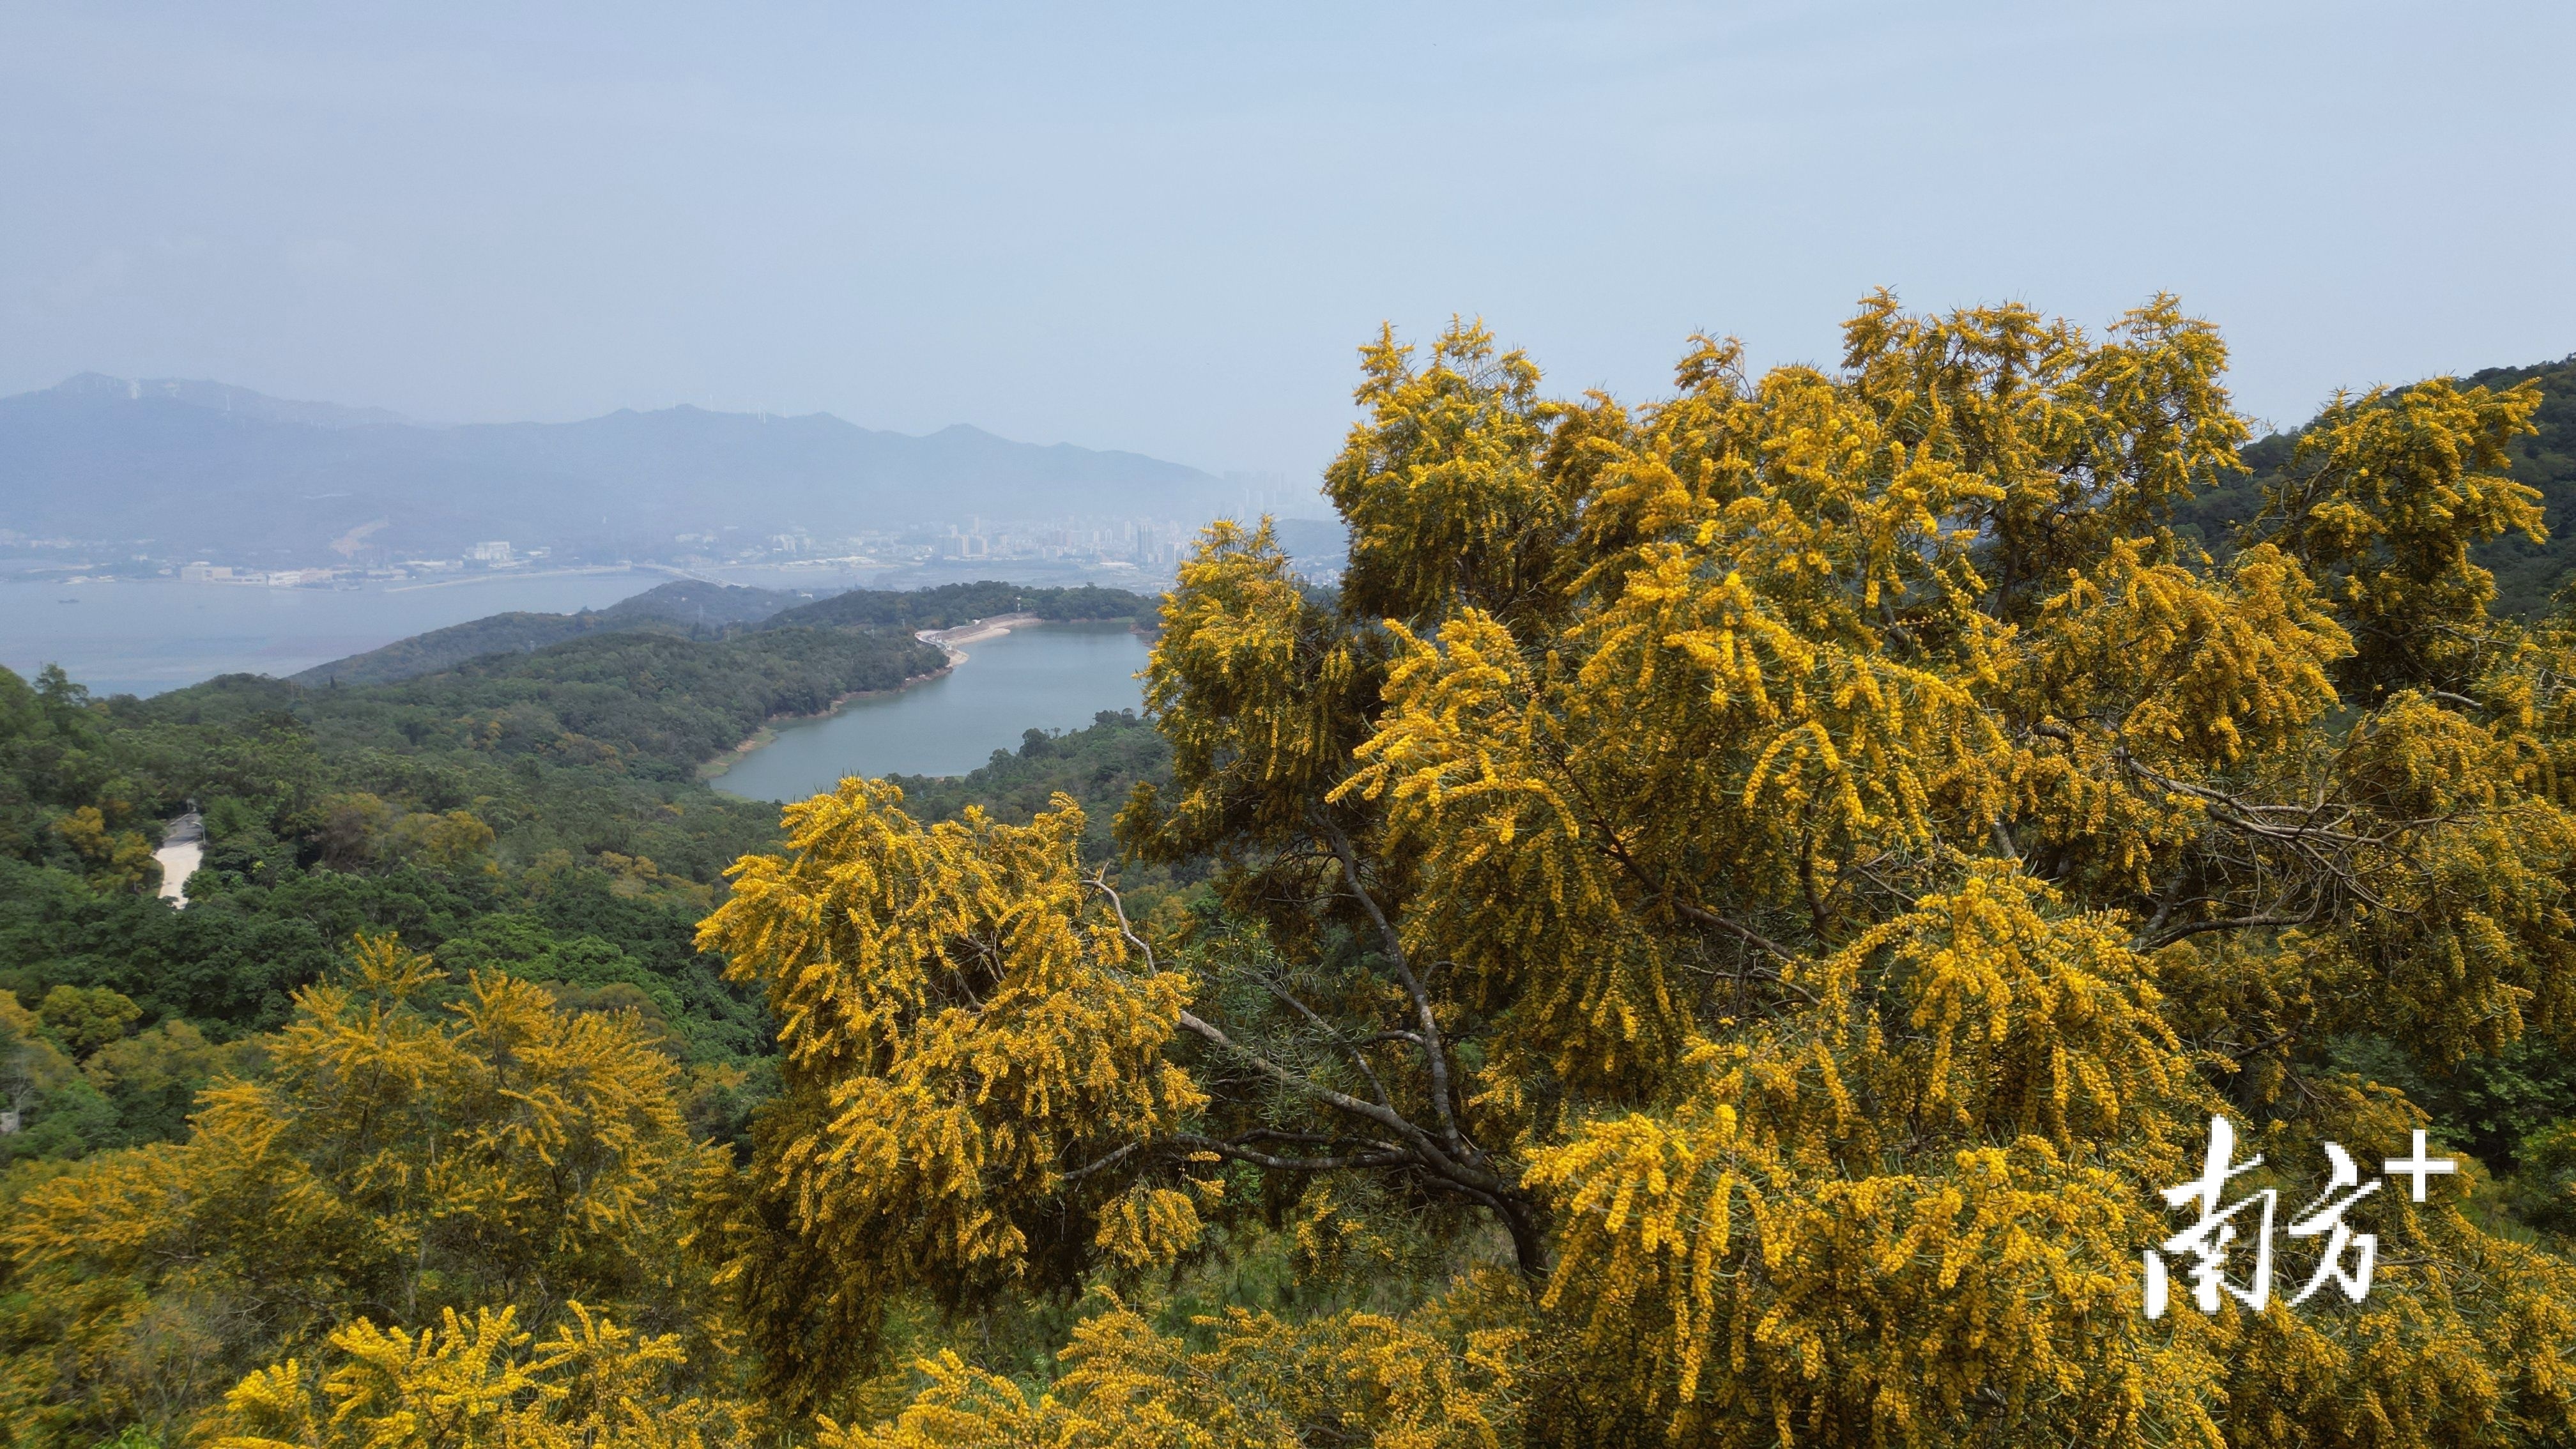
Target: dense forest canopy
point(950, 605)
point(1728, 927)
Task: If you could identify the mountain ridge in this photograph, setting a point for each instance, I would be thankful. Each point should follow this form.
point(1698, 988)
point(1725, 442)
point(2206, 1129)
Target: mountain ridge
point(228, 397)
point(211, 468)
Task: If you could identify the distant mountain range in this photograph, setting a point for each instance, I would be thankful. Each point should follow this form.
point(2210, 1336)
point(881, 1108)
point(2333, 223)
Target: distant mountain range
point(201, 467)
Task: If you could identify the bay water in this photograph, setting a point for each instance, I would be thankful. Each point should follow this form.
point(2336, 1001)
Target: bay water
point(143, 636)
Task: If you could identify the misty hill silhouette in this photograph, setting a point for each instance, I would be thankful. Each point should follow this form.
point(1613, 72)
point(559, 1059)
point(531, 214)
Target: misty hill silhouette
point(203, 467)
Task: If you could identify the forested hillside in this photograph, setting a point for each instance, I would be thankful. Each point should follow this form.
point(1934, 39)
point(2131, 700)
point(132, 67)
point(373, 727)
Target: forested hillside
point(687, 607)
point(646, 704)
point(531, 812)
point(952, 604)
point(2528, 573)
point(696, 610)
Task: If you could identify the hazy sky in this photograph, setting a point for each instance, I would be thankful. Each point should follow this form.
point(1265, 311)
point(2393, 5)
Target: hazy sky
point(1166, 228)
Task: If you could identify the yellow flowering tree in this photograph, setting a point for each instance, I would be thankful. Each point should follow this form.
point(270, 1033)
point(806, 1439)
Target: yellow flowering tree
point(1256, 1383)
point(963, 1019)
point(591, 1385)
point(394, 1162)
point(1786, 874)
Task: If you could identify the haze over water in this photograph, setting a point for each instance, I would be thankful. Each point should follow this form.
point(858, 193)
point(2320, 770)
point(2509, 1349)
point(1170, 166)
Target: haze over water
point(144, 636)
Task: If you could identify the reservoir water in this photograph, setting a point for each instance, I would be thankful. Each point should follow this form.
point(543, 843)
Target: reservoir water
point(1049, 676)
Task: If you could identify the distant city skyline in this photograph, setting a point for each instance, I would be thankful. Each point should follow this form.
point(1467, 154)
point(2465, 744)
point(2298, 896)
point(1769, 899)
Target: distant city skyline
point(1165, 229)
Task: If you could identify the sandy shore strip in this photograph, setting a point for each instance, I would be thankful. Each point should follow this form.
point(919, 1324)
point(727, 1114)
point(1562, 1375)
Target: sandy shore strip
point(981, 629)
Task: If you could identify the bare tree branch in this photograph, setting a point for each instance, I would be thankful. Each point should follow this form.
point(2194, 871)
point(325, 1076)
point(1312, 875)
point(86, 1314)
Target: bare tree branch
point(1382, 1154)
point(1358, 1057)
point(1435, 1052)
point(1386, 1117)
point(2171, 934)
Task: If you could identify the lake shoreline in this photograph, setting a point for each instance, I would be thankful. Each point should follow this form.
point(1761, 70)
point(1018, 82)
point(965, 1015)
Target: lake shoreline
point(946, 640)
point(796, 732)
point(768, 731)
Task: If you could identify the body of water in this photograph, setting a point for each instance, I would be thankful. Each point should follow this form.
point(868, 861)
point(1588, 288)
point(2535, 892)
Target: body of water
point(142, 636)
point(1051, 676)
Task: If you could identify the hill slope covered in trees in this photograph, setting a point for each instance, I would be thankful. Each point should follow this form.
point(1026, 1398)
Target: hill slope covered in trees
point(1782, 913)
point(2528, 573)
point(693, 609)
point(684, 606)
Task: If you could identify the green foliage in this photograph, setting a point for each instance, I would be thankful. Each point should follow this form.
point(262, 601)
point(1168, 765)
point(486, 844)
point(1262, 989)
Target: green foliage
point(521, 946)
point(950, 605)
point(457, 645)
point(557, 784)
point(686, 607)
point(393, 1157)
point(151, 1079)
point(84, 1019)
point(538, 811)
point(2528, 572)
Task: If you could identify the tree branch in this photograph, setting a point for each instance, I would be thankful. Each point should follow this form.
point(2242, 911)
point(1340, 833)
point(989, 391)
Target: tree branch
point(2235, 923)
point(1386, 1117)
point(1435, 1052)
point(1385, 1154)
point(1357, 1056)
point(1100, 883)
point(1746, 934)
